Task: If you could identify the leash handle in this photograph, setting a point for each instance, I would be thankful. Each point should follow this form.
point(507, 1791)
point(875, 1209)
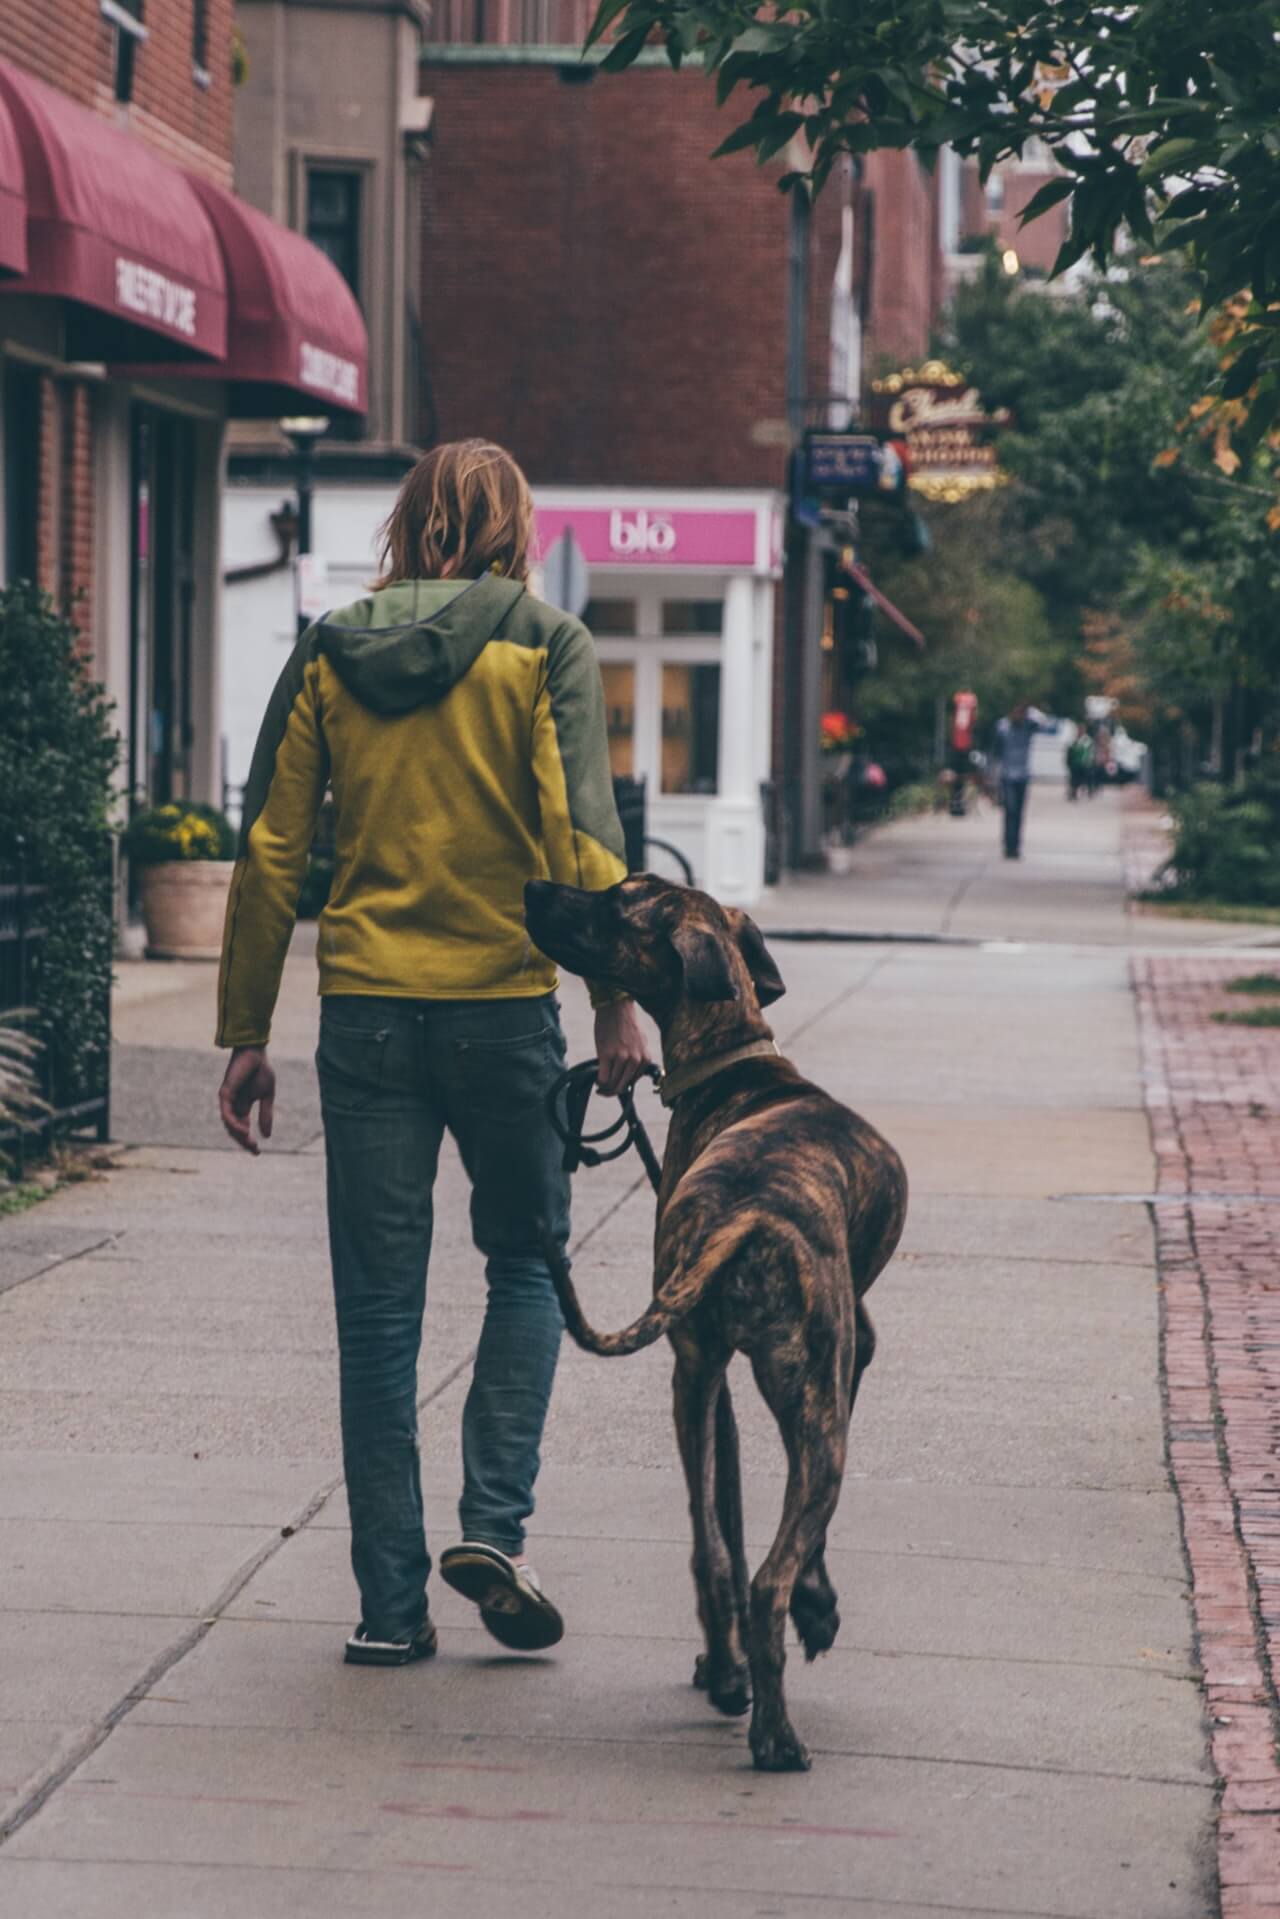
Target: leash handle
point(574, 1088)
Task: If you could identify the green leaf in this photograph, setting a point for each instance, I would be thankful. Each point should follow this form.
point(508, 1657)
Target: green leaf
point(624, 51)
point(606, 14)
point(1048, 196)
point(1241, 375)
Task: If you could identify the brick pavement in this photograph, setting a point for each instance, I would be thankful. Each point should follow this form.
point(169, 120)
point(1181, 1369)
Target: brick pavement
point(1212, 1094)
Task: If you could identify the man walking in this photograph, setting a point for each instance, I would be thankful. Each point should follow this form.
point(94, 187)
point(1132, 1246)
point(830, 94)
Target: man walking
point(460, 725)
point(1014, 735)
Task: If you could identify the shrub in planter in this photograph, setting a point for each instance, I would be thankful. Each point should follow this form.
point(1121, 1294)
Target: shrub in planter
point(1226, 843)
point(58, 757)
point(185, 854)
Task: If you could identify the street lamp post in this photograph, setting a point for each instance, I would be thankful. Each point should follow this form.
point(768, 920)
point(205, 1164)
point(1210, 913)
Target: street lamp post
point(302, 434)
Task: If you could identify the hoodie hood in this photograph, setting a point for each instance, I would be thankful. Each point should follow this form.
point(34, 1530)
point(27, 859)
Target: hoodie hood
point(408, 644)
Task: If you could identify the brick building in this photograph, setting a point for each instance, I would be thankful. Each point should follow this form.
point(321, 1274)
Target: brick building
point(141, 307)
point(649, 332)
point(627, 314)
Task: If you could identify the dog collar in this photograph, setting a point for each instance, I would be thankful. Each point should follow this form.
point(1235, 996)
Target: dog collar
point(673, 1086)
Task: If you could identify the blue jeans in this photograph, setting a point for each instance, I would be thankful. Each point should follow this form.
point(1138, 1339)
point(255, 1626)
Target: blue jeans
point(1014, 795)
point(394, 1073)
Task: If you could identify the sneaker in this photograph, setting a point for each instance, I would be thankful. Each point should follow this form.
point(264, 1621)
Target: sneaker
point(364, 1650)
point(513, 1606)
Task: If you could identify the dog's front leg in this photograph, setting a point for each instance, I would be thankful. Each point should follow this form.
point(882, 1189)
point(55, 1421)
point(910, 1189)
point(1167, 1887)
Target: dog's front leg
point(722, 1670)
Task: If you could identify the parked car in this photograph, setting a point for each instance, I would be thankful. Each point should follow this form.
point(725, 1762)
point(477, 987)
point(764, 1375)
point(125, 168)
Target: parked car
point(1128, 757)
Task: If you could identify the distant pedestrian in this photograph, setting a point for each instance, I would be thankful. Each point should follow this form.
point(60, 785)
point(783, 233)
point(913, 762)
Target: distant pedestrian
point(1014, 735)
point(1080, 764)
point(964, 720)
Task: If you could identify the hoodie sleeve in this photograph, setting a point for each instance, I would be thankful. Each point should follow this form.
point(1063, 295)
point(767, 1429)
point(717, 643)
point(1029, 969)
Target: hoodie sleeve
point(581, 832)
point(287, 779)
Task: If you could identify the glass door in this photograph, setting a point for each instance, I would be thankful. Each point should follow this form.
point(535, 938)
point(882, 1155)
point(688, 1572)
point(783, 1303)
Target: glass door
point(161, 606)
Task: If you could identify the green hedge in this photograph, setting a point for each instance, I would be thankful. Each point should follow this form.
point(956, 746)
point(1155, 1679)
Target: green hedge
point(58, 757)
point(1226, 843)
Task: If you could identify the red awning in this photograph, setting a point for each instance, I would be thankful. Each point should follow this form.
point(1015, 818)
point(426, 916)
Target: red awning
point(13, 199)
point(886, 605)
point(114, 231)
point(296, 335)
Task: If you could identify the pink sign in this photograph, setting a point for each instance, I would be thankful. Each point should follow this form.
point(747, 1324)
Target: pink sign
point(652, 536)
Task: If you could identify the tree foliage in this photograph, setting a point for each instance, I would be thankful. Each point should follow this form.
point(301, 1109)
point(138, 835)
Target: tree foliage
point(1162, 115)
point(1148, 544)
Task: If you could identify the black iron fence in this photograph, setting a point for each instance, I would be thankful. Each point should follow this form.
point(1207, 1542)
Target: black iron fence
point(74, 1079)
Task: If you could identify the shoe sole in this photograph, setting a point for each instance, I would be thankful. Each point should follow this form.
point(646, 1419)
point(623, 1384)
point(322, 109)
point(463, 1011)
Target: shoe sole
point(357, 1655)
point(517, 1620)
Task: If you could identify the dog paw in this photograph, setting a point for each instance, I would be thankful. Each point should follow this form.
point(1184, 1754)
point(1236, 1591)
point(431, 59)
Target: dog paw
point(779, 1751)
point(817, 1631)
point(727, 1687)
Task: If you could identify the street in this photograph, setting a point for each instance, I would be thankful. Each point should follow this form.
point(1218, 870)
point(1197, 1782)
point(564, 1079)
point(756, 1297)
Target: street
point(1010, 1721)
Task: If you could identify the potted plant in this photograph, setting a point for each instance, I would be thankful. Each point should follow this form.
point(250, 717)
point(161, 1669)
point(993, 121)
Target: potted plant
point(185, 854)
point(838, 736)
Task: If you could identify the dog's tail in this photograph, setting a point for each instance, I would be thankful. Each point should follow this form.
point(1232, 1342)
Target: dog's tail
point(675, 1298)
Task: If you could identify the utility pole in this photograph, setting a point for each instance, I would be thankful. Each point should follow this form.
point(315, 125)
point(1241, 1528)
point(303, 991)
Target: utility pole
point(302, 434)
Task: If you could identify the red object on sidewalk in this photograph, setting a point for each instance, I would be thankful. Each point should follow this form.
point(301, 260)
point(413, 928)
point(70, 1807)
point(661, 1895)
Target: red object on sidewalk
point(114, 230)
point(964, 714)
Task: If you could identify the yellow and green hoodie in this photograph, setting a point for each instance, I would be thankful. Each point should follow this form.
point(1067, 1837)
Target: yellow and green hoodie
point(460, 725)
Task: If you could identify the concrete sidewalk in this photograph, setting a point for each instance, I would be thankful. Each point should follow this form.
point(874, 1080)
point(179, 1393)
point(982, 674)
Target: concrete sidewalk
point(1011, 1720)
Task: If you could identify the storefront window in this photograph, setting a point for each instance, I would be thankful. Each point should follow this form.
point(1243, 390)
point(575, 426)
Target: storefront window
point(690, 728)
point(692, 616)
point(619, 679)
point(162, 597)
point(21, 470)
point(611, 618)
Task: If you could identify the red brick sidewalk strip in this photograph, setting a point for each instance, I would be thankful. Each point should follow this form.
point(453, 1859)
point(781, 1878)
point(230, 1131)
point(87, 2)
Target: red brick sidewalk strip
point(1211, 1095)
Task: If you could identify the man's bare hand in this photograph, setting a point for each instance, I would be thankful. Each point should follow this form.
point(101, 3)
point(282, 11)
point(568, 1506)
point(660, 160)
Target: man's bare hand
point(249, 1081)
point(621, 1048)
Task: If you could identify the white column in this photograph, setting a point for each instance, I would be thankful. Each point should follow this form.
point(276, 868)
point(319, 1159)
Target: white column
point(737, 692)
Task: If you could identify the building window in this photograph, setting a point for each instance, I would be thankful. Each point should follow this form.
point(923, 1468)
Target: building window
point(333, 219)
point(200, 42)
point(611, 617)
point(619, 680)
point(21, 472)
point(125, 18)
point(995, 193)
point(690, 729)
point(692, 616)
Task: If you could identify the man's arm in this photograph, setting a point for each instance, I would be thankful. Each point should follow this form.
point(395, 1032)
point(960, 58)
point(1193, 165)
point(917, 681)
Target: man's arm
point(581, 831)
point(286, 785)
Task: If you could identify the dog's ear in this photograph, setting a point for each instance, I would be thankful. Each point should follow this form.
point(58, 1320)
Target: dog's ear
point(765, 976)
point(707, 973)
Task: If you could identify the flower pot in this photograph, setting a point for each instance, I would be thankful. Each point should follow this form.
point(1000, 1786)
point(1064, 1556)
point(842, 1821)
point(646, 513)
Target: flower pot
point(183, 904)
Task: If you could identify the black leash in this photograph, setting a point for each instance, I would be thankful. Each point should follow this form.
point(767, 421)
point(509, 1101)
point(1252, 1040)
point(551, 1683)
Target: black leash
point(567, 1104)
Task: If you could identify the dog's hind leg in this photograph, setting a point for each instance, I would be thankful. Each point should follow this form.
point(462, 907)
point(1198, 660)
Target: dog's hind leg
point(812, 1415)
point(729, 1502)
point(814, 1603)
point(721, 1671)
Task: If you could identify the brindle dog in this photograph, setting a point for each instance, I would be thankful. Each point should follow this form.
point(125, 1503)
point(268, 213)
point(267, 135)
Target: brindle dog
point(777, 1209)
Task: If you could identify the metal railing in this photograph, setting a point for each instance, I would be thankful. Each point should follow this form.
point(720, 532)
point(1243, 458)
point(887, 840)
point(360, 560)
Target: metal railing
point(70, 1104)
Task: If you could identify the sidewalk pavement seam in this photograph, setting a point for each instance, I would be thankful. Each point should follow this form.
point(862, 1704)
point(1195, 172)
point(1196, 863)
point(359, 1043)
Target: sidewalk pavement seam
point(60, 1259)
point(845, 1901)
point(95, 1735)
point(1210, 1123)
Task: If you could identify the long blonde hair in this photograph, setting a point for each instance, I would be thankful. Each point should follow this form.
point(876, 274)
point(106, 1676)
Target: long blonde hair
point(465, 510)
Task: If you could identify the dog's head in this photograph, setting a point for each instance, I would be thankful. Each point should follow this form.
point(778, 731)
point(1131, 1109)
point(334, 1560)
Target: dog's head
point(658, 942)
